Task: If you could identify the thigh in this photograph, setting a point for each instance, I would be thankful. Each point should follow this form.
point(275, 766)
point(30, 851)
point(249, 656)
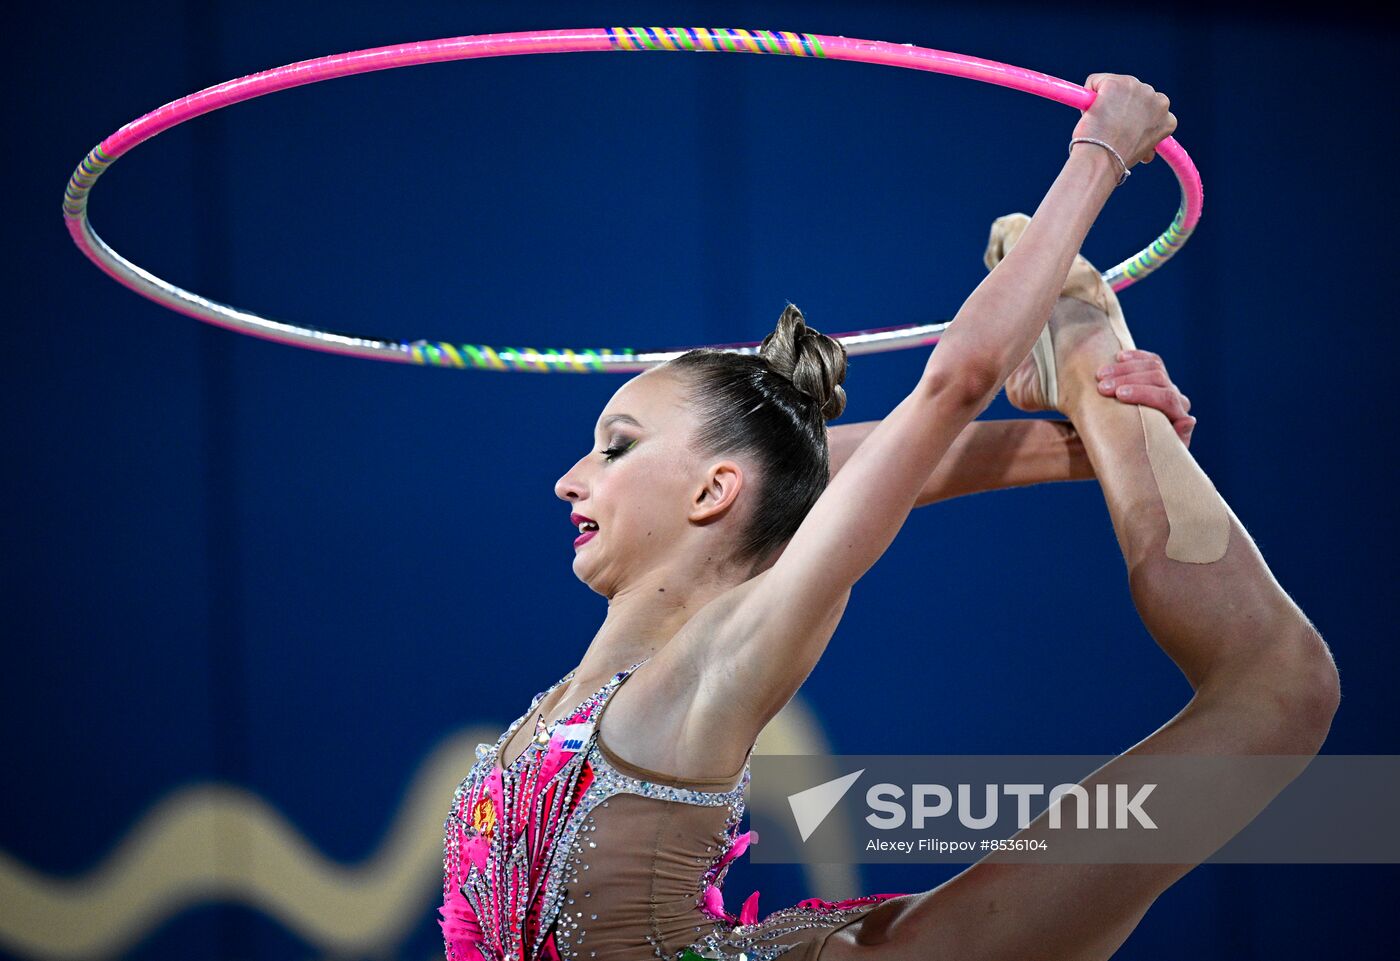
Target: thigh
point(1007, 912)
point(1000, 911)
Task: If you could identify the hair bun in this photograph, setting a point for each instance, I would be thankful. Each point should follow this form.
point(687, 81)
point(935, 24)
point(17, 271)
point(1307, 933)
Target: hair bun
point(812, 361)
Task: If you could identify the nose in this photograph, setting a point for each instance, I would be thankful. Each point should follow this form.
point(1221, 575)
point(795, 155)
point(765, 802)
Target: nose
point(572, 486)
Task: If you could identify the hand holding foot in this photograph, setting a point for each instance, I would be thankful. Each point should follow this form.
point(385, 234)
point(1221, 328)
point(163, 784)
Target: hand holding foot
point(1085, 345)
point(1140, 377)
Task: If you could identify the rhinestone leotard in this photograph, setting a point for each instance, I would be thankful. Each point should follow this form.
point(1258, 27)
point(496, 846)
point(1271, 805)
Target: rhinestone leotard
point(574, 852)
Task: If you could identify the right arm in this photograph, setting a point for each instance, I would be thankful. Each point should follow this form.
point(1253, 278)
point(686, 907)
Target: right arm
point(778, 624)
point(999, 323)
point(1001, 320)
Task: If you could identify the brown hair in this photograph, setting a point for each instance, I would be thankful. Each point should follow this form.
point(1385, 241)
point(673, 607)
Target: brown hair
point(772, 405)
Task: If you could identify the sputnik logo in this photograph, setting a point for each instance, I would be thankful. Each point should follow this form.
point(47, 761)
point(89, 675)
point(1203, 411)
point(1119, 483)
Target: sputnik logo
point(810, 807)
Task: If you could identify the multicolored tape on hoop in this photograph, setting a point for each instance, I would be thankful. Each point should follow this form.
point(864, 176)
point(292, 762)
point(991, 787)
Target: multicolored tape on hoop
point(597, 360)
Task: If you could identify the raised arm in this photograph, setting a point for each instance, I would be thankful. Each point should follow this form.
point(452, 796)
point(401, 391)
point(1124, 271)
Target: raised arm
point(778, 623)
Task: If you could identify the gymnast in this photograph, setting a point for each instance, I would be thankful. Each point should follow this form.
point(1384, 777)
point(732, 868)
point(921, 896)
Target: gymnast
point(725, 524)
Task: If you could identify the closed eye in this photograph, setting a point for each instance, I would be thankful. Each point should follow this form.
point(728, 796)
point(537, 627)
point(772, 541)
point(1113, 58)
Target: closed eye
point(613, 452)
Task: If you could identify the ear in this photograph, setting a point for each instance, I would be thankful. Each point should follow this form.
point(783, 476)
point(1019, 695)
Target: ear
point(717, 494)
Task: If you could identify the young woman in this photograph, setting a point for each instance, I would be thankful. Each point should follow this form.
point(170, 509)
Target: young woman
point(726, 545)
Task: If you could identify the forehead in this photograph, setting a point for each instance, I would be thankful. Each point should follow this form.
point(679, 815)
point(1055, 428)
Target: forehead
point(653, 398)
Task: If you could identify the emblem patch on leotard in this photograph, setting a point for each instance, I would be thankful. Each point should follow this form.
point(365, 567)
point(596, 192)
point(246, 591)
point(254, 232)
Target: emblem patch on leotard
point(572, 737)
point(483, 817)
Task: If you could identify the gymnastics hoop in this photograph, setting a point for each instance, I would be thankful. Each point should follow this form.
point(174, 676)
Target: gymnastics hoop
point(695, 39)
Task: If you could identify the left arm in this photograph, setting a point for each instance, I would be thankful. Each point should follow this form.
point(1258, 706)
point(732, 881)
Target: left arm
point(988, 455)
point(999, 454)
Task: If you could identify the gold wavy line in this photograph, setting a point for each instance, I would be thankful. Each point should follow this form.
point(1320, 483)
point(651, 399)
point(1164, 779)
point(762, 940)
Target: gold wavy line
point(221, 843)
point(218, 843)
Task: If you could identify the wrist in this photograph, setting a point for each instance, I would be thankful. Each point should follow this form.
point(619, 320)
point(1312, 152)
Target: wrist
point(1070, 446)
point(1105, 153)
point(1098, 164)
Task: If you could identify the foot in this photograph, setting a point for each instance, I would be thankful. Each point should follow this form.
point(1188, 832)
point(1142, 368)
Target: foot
point(1081, 341)
point(1086, 330)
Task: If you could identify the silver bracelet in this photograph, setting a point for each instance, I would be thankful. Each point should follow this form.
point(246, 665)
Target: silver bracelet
point(1109, 148)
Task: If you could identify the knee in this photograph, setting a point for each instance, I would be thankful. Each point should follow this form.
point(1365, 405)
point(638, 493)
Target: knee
point(1322, 687)
point(1305, 691)
point(1281, 694)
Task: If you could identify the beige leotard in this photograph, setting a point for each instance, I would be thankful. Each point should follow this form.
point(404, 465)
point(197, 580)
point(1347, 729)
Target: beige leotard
point(575, 852)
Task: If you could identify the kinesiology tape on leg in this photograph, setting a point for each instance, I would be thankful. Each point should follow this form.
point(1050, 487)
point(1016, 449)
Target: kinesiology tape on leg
point(1198, 522)
point(1197, 519)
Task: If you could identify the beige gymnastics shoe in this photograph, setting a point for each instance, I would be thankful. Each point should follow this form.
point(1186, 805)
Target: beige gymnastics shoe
point(1084, 283)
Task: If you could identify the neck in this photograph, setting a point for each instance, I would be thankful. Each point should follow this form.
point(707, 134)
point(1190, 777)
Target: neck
point(644, 617)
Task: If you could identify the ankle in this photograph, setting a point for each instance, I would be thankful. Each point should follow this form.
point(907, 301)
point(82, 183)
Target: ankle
point(1079, 391)
point(1079, 358)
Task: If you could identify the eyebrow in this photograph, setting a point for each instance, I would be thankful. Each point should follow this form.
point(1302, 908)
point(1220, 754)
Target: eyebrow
point(611, 419)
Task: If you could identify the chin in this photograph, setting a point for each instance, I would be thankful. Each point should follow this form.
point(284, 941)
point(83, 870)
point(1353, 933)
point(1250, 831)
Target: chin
point(584, 576)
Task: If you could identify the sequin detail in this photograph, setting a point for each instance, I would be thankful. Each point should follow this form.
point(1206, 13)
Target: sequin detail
point(515, 843)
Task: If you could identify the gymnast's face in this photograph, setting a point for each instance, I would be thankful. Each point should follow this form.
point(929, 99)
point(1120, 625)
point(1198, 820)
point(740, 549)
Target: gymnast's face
point(655, 502)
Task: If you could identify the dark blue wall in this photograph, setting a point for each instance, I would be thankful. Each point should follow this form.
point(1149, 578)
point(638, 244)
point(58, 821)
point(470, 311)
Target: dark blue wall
point(233, 562)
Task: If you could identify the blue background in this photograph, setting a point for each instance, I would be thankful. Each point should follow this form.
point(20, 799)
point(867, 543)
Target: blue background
point(234, 562)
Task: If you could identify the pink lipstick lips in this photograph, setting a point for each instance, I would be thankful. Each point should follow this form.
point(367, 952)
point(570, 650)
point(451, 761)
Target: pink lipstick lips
point(579, 520)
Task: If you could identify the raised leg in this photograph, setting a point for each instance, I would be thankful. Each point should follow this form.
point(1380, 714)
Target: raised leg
point(1264, 683)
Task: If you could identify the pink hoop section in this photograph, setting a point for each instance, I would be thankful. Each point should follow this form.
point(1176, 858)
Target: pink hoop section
point(610, 39)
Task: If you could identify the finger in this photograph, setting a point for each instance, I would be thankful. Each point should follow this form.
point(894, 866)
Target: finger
point(1186, 403)
point(1140, 378)
point(1094, 80)
point(1110, 386)
point(1184, 428)
point(1136, 353)
point(1165, 399)
point(1125, 367)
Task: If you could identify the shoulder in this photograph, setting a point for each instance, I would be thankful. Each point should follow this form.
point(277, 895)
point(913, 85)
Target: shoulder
point(681, 711)
point(705, 696)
